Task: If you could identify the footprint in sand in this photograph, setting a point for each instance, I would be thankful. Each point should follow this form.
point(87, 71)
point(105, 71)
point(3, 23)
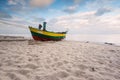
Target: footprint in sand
point(31, 66)
point(47, 77)
point(74, 78)
point(12, 76)
point(71, 78)
point(38, 78)
point(55, 76)
point(23, 72)
point(82, 67)
point(106, 73)
point(109, 70)
point(47, 66)
point(65, 62)
point(91, 79)
point(48, 61)
point(50, 78)
point(1, 64)
point(56, 59)
point(80, 74)
point(61, 74)
point(1, 52)
point(58, 64)
point(112, 51)
point(68, 70)
point(117, 77)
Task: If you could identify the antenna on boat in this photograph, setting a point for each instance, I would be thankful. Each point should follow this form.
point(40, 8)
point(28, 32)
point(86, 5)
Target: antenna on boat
point(44, 26)
point(67, 30)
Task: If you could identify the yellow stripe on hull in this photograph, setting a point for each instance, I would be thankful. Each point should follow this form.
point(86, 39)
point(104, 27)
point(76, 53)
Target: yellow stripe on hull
point(45, 32)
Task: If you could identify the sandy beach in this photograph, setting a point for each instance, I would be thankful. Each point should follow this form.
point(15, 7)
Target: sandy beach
point(63, 60)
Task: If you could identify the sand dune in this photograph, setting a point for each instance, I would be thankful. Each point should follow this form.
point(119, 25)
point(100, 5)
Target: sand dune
point(64, 60)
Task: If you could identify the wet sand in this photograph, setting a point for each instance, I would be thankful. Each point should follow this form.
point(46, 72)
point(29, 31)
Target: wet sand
point(63, 60)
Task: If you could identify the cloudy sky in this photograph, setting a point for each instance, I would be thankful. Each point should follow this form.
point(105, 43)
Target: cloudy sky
point(77, 16)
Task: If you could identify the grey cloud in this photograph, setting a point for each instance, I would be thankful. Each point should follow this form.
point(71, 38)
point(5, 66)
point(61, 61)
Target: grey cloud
point(54, 20)
point(77, 1)
point(40, 20)
point(16, 2)
point(71, 9)
point(41, 3)
point(4, 14)
point(31, 3)
point(102, 11)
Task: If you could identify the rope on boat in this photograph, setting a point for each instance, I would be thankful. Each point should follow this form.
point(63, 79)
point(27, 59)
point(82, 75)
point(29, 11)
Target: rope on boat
point(14, 24)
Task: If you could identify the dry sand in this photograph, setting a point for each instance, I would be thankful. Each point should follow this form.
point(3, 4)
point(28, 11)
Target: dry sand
point(64, 60)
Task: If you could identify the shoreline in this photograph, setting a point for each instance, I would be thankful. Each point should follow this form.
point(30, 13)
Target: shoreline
point(23, 38)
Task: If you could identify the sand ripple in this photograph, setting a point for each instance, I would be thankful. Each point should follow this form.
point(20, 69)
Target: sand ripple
point(65, 60)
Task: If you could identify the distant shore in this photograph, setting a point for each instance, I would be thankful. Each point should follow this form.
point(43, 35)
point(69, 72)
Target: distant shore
point(26, 59)
point(23, 38)
point(13, 38)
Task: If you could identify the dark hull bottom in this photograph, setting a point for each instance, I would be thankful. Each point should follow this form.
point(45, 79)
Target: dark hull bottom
point(44, 39)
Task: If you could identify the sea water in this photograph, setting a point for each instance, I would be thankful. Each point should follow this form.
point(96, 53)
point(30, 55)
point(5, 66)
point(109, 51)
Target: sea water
point(111, 38)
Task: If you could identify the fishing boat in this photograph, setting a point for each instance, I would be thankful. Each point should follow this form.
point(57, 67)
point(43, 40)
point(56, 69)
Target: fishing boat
point(44, 35)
